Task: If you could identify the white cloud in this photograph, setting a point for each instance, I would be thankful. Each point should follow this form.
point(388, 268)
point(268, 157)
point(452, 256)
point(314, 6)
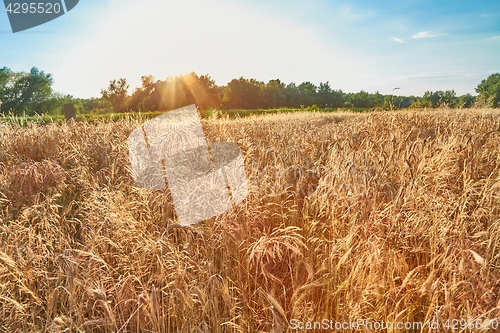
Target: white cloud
point(440, 75)
point(428, 34)
point(397, 40)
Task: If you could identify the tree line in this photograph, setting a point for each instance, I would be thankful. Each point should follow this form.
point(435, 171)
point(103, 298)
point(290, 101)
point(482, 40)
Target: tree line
point(28, 93)
point(31, 93)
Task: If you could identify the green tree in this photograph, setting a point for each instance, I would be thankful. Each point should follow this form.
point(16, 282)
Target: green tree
point(397, 102)
point(337, 98)
point(6, 81)
point(433, 99)
point(361, 100)
point(117, 94)
point(5, 77)
point(274, 94)
point(324, 94)
point(141, 97)
point(292, 95)
point(204, 91)
point(96, 105)
point(54, 103)
point(466, 101)
point(388, 102)
point(243, 94)
point(439, 98)
point(404, 101)
point(489, 92)
point(308, 93)
point(25, 93)
point(449, 99)
point(377, 100)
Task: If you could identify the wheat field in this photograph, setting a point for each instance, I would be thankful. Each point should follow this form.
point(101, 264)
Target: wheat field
point(386, 216)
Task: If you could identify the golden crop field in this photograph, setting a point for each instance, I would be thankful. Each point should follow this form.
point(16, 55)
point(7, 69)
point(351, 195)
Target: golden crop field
point(382, 217)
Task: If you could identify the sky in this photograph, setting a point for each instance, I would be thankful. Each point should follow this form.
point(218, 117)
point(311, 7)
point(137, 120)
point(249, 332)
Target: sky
point(416, 45)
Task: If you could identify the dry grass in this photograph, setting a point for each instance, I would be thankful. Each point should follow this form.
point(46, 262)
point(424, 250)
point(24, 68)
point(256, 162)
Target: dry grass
point(385, 216)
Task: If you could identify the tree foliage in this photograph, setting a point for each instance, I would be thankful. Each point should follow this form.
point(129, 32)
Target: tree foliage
point(26, 93)
point(175, 92)
point(117, 94)
point(466, 101)
point(436, 99)
point(489, 91)
point(30, 93)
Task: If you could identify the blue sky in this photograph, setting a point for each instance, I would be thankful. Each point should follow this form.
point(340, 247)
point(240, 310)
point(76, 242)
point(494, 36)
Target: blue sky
point(355, 45)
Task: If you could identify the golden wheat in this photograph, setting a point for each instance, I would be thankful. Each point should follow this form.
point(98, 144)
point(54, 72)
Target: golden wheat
point(391, 216)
